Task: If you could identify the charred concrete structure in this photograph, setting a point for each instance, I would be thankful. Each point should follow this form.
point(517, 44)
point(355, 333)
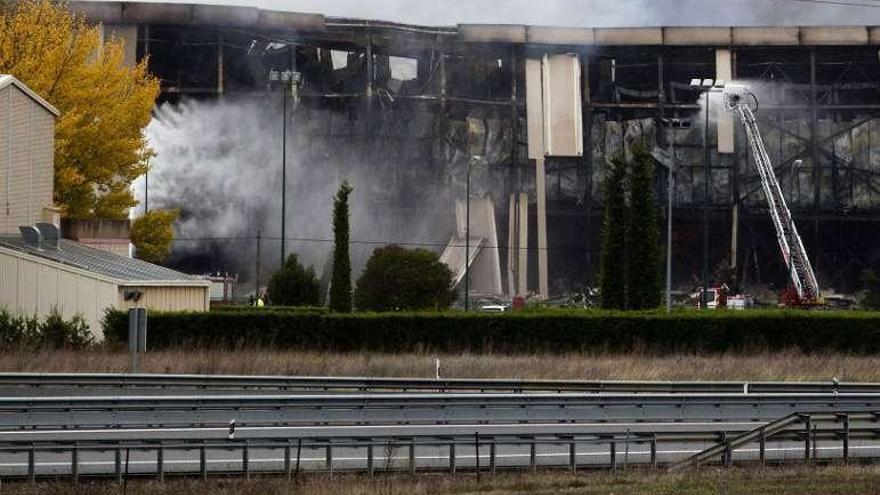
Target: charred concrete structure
point(820, 104)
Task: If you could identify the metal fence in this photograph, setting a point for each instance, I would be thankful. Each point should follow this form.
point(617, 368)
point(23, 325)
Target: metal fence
point(842, 435)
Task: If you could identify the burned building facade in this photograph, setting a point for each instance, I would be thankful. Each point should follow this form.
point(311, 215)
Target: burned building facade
point(417, 103)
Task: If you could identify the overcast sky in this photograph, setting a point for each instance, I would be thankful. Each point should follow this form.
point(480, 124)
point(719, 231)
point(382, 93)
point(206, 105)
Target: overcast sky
point(588, 13)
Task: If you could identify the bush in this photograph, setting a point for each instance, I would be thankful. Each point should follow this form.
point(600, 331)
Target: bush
point(294, 285)
point(404, 279)
point(54, 332)
point(871, 287)
point(545, 331)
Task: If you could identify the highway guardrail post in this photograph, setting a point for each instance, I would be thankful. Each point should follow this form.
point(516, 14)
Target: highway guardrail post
point(452, 457)
point(117, 463)
point(160, 462)
point(32, 461)
point(808, 429)
point(492, 459)
point(572, 455)
point(613, 449)
point(477, 453)
point(245, 460)
point(74, 463)
point(533, 456)
point(203, 461)
point(654, 452)
point(846, 438)
point(299, 443)
point(370, 458)
point(287, 452)
point(329, 459)
point(762, 447)
point(412, 457)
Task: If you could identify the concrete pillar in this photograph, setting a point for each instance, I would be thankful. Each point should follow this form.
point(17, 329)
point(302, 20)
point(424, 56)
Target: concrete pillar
point(523, 245)
point(541, 191)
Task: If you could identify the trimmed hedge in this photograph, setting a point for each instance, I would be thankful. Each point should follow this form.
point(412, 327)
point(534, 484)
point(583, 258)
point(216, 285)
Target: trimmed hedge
point(553, 331)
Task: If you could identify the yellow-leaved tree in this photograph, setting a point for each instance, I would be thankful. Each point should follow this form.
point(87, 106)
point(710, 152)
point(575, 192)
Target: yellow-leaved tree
point(152, 234)
point(100, 146)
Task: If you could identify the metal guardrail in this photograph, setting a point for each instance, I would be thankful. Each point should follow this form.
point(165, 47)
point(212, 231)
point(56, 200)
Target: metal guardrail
point(299, 383)
point(74, 412)
point(808, 427)
point(478, 452)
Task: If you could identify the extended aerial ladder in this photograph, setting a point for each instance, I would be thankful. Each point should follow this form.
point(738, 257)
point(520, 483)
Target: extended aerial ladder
point(740, 99)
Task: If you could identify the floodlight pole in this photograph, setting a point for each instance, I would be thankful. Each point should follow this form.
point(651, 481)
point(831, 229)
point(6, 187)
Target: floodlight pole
point(671, 187)
point(708, 172)
point(467, 237)
point(283, 173)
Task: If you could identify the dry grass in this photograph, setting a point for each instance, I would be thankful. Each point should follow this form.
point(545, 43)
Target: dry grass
point(831, 480)
point(760, 366)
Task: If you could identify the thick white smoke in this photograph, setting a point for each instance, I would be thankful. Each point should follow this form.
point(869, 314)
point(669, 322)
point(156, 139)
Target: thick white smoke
point(219, 162)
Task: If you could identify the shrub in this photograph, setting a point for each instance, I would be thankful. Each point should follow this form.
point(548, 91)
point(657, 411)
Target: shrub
point(544, 331)
point(294, 285)
point(612, 270)
point(404, 279)
point(54, 332)
point(871, 287)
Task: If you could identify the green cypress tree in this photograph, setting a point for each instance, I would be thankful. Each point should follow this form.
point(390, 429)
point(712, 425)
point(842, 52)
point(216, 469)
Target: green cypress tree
point(612, 281)
point(643, 286)
point(340, 285)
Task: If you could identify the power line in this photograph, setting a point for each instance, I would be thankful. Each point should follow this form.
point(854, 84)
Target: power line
point(838, 3)
point(424, 244)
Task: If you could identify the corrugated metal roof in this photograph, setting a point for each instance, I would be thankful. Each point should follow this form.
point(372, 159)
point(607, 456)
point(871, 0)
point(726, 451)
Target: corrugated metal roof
point(6, 80)
point(104, 263)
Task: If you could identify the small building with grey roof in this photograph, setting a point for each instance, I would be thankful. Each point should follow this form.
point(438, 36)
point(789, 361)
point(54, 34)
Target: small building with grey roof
point(39, 270)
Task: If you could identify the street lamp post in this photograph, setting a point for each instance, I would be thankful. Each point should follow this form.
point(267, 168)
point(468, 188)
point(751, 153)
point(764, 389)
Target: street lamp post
point(706, 86)
point(671, 126)
point(288, 79)
point(467, 237)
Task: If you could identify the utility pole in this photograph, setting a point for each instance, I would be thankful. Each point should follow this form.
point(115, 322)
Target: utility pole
point(467, 239)
point(284, 175)
point(708, 202)
point(289, 81)
point(259, 252)
point(671, 192)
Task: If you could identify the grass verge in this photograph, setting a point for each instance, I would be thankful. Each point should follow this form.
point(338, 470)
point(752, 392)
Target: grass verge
point(800, 480)
point(787, 365)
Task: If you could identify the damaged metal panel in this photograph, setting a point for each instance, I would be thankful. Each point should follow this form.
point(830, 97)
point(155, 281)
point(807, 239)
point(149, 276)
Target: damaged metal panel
point(157, 13)
point(226, 15)
point(766, 36)
point(563, 120)
point(560, 36)
point(628, 36)
point(492, 33)
point(724, 72)
point(95, 12)
point(281, 21)
point(697, 36)
point(838, 35)
point(535, 108)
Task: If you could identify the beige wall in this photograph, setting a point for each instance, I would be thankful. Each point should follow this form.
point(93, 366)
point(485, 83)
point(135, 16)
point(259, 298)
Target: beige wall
point(168, 298)
point(26, 160)
point(32, 286)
